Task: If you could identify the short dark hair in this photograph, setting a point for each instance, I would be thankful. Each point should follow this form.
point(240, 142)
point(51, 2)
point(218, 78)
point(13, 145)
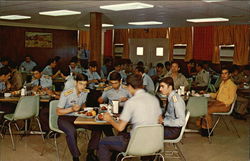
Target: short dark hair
point(160, 65)
point(135, 80)
point(51, 60)
point(168, 80)
point(226, 68)
point(13, 65)
point(4, 58)
point(247, 67)
point(117, 63)
point(27, 56)
point(4, 71)
point(167, 63)
point(115, 76)
point(199, 64)
point(73, 59)
point(140, 64)
point(140, 69)
point(174, 62)
point(81, 77)
point(37, 68)
point(93, 64)
point(57, 58)
point(191, 61)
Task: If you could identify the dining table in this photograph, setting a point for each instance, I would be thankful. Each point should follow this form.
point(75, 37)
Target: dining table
point(16, 99)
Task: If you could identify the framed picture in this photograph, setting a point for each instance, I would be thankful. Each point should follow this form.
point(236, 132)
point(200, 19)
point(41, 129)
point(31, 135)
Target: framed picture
point(38, 40)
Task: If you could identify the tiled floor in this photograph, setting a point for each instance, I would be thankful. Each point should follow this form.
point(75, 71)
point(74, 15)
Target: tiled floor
point(225, 146)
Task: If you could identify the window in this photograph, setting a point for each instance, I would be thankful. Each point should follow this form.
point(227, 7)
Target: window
point(179, 51)
point(226, 52)
point(159, 51)
point(139, 51)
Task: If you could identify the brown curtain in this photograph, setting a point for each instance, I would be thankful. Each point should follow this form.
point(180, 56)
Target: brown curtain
point(84, 37)
point(181, 35)
point(241, 49)
point(223, 35)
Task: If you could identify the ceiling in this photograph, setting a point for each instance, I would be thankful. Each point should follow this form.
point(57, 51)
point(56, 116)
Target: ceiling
point(171, 13)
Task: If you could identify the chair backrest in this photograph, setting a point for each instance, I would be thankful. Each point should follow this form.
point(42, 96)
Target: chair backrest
point(26, 107)
point(197, 106)
point(146, 140)
point(182, 130)
point(53, 117)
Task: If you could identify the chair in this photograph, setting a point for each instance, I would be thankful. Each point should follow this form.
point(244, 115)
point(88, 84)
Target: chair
point(221, 116)
point(53, 117)
point(177, 140)
point(26, 108)
point(145, 140)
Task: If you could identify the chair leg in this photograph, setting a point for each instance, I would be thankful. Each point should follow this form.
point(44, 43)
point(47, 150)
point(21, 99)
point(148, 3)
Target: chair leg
point(1, 132)
point(225, 123)
point(16, 126)
point(163, 159)
point(12, 140)
point(180, 152)
point(40, 128)
point(57, 150)
point(234, 128)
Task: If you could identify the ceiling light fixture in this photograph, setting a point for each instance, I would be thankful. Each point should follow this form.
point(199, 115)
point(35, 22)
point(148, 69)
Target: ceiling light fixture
point(200, 20)
point(103, 25)
point(14, 17)
point(60, 13)
point(211, 1)
point(127, 6)
point(146, 23)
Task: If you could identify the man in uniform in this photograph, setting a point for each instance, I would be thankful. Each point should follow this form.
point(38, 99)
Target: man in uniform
point(4, 62)
point(221, 102)
point(48, 70)
point(202, 77)
point(40, 81)
point(92, 75)
point(147, 81)
point(28, 64)
point(118, 69)
point(116, 91)
point(72, 100)
point(179, 79)
point(142, 106)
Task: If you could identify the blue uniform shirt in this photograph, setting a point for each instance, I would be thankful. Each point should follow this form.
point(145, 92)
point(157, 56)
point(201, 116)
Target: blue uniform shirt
point(70, 98)
point(92, 76)
point(2, 86)
point(175, 115)
point(28, 66)
point(111, 94)
point(45, 82)
point(148, 83)
point(48, 70)
point(75, 70)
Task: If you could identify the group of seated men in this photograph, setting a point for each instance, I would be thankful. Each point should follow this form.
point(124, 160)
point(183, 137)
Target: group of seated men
point(140, 106)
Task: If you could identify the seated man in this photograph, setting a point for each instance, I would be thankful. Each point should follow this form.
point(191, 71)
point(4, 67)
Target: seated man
point(92, 75)
point(117, 66)
point(175, 114)
point(159, 73)
point(223, 99)
point(72, 100)
point(142, 106)
point(202, 77)
point(179, 79)
point(40, 81)
point(48, 70)
point(147, 81)
point(116, 91)
point(73, 68)
point(28, 64)
point(16, 77)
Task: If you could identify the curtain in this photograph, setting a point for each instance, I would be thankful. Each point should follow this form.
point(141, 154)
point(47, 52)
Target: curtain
point(108, 43)
point(84, 37)
point(181, 35)
point(203, 43)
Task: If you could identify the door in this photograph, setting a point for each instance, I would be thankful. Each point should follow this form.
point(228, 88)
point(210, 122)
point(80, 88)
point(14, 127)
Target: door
point(150, 48)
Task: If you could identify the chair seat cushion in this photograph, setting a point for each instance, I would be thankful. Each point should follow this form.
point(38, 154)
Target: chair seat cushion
point(9, 116)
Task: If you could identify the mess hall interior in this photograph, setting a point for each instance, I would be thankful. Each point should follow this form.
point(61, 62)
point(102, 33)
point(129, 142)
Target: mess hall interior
point(115, 80)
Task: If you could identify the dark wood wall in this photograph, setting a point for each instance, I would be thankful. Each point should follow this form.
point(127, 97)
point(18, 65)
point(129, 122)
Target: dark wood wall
point(12, 44)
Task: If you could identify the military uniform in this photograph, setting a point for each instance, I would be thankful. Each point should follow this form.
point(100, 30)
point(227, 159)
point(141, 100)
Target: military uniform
point(180, 80)
point(28, 66)
point(69, 98)
point(48, 70)
point(142, 106)
point(202, 78)
point(111, 94)
point(92, 76)
point(148, 83)
point(174, 116)
point(45, 82)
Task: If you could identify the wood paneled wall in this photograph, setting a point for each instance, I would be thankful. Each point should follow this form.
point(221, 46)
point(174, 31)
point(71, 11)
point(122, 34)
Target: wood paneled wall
point(12, 44)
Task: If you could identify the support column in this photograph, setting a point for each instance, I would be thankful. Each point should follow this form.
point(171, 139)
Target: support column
point(95, 37)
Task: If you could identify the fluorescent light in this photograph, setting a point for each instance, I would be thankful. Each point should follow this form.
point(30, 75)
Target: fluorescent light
point(218, 19)
point(60, 13)
point(14, 17)
point(103, 25)
point(127, 6)
point(146, 23)
point(211, 1)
